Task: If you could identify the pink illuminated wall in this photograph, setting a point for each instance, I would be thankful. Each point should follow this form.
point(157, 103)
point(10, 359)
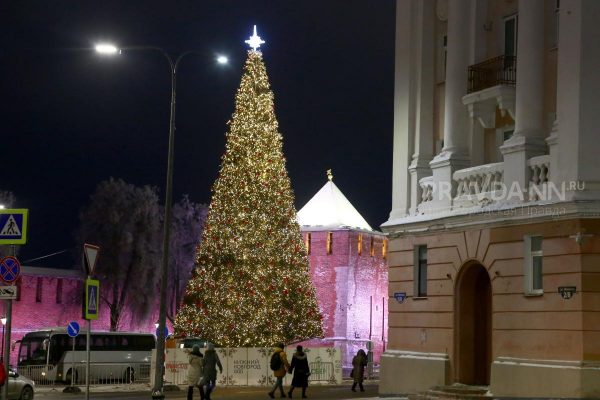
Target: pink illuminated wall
point(352, 289)
point(52, 298)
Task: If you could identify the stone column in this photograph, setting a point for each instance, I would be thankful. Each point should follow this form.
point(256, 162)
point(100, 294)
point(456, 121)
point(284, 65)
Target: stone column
point(528, 139)
point(455, 154)
point(424, 71)
point(477, 54)
point(403, 110)
point(576, 163)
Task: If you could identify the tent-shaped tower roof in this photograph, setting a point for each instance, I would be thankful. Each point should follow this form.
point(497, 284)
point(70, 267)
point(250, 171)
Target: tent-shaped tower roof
point(330, 209)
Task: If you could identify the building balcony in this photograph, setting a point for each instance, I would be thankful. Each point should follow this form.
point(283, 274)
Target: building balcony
point(491, 86)
point(483, 186)
point(478, 186)
point(497, 71)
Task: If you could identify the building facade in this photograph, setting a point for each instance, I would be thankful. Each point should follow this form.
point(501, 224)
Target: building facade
point(349, 271)
point(494, 231)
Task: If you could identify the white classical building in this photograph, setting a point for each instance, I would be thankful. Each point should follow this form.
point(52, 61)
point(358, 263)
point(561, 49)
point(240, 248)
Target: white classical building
point(494, 232)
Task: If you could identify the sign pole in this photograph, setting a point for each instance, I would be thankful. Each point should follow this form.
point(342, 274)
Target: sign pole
point(72, 331)
point(6, 355)
point(90, 307)
point(73, 366)
point(87, 366)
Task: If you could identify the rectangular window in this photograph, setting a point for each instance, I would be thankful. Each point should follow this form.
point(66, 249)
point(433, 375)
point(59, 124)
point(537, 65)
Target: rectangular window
point(59, 286)
point(533, 264)
point(372, 248)
point(329, 242)
point(360, 241)
point(38, 289)
point(307, 243)
point(384, 246)
point(420, 271)
point(510, 35)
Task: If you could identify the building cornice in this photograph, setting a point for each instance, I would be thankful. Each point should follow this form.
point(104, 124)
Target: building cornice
point(488, 217)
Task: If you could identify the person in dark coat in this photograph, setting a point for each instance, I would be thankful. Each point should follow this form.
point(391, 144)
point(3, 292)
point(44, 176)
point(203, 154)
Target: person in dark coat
point(210, 362)
point(359, 362)
point(301, 371)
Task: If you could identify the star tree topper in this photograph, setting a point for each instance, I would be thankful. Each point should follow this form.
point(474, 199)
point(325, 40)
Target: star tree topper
point(254, 41)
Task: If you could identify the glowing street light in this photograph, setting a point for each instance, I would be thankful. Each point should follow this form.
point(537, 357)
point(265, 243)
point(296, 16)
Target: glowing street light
point(222, 60)
point(107, 48)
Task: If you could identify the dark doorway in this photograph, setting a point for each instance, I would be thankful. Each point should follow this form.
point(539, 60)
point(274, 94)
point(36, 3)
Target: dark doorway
point(473, 330)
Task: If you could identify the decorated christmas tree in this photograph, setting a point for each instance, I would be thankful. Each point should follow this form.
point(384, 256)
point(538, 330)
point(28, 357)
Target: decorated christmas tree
point(251, 286)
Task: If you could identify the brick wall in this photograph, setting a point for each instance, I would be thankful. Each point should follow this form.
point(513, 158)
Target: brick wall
point(351, 288)
point(52, 298)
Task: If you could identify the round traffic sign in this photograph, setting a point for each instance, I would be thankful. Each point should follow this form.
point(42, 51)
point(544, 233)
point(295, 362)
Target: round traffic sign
point(73, 328)
point(166, 331)
point(10, 269)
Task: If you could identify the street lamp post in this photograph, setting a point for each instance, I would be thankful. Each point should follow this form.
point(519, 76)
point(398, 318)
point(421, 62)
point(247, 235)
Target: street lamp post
point(157, 391)
point(3, 320)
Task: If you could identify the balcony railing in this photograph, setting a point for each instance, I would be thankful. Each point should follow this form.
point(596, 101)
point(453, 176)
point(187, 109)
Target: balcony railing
point(501, 70)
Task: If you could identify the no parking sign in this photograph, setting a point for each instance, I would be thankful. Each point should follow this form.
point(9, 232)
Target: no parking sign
point(10, 269)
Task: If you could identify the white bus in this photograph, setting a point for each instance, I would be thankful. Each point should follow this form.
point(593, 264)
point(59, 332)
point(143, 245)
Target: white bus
point(115, 357)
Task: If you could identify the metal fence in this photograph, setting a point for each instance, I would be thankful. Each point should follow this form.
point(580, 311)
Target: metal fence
point(321, 371)
point(100, 374)
point(501, 70)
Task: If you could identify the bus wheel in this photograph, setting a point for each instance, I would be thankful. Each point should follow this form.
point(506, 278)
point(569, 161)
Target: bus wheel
point(68, 377)
point(129, 375)
point(26, 393)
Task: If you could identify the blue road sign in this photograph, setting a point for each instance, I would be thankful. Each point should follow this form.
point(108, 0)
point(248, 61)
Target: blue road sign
point(13, 226)
point(166, 332)
point(92, 294)
point(400, 296)
point(73, 328)
point(10, 269)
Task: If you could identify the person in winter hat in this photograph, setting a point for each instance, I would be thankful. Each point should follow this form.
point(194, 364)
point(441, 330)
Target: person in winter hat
point(279, 373)
point(301, 371)
point(359, 362)
point(195, 373)
point(210, 363)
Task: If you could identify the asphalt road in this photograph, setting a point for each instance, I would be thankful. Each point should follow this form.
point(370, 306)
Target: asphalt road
point(222, 393)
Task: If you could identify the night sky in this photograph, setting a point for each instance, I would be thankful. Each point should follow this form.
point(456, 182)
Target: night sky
point(71, 118)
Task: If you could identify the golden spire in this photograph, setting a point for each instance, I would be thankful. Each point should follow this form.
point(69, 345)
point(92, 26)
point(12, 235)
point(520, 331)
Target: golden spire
point(329, 175)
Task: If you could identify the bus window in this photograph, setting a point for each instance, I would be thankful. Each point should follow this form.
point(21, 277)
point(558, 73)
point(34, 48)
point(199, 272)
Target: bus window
point(80, 344)
point(110, 342)
point(58, 345)
point(38, 351)
point(142, 342)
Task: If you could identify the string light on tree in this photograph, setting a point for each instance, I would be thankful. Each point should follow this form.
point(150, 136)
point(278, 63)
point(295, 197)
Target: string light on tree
point(251, 286)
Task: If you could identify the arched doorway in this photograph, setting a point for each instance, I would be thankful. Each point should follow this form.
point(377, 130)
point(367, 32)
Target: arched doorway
point(473, 328)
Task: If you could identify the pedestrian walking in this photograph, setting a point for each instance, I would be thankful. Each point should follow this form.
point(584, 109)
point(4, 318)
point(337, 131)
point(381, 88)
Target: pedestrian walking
point(210, 362)
point(195, 373)
point(301, 371)
point(279, 365)
point(359, 362)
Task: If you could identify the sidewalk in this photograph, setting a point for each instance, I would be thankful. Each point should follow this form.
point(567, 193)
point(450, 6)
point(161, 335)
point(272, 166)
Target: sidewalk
point(337, 391)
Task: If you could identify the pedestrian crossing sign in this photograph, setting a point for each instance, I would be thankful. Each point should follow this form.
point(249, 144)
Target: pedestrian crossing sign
point(13, 226)
point(92, 294)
